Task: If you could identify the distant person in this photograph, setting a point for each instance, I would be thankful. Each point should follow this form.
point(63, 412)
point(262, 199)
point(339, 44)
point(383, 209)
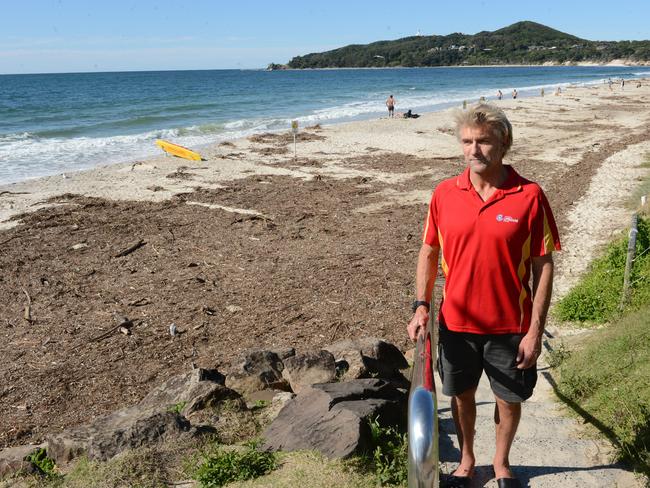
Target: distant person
point(499, 94)
point(558, 91)
point(542, 92)
point(609, 82)
point(410, 115)
point(514, 93)
point(638, 85)
point(390, 103)
point(622, 83)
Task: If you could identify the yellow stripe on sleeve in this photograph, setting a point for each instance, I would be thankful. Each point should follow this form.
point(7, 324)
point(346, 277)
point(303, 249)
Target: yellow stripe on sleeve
point(549, 242)
point(521, 273)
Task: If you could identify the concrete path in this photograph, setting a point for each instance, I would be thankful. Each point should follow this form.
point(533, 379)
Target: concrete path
point(551, 449)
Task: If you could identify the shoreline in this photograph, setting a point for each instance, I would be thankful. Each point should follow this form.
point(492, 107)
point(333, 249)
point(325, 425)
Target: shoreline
point(524, 92)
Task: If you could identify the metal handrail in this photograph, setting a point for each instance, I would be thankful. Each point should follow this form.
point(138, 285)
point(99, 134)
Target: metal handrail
point(423, 414)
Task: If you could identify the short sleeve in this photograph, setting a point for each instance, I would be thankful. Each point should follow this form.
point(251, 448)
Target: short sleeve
point(430, 234)
point(545, 237)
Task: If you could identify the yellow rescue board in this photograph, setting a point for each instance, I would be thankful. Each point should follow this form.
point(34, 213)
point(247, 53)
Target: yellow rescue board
point(176, 150)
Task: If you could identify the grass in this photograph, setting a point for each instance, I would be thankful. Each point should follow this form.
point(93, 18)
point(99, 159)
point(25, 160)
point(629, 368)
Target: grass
point(309, 468)
point(151, 467)
point(608, 379)
point(596, 298)
point(219, 466)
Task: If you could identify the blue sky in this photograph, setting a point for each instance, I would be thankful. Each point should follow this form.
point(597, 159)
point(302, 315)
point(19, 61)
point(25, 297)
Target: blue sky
point(44, 36)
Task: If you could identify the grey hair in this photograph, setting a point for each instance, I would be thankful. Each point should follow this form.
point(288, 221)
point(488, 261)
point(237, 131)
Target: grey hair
point(485, 114)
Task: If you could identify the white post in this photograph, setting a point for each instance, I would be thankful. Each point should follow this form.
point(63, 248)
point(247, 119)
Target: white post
point(294, 128)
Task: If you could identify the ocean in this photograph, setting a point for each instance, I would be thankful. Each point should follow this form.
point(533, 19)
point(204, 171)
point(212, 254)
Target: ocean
point(55, 123)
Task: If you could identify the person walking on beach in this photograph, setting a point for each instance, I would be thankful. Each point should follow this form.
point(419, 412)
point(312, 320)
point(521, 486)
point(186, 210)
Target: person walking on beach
point(514, 93)
point(492, 230)
point(390, 103)
point(499, 94)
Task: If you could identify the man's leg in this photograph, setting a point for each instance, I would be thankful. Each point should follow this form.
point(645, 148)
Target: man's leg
point(506, 420)
point(463, 409)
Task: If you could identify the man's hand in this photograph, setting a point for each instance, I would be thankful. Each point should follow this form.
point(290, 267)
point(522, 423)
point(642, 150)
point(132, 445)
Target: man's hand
point(530, 348)
point(418, 323)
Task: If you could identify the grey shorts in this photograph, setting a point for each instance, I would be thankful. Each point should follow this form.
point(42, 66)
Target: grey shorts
point(462, 358)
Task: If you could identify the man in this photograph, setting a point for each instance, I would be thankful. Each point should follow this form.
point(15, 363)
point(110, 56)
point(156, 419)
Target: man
point(493, 229)
point(390, 103)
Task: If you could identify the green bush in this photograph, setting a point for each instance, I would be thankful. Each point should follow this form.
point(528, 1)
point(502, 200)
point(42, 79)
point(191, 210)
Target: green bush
point(608, 379)
point(596, 298)
point(389, 459)
point(44, 464)
point(220, 466)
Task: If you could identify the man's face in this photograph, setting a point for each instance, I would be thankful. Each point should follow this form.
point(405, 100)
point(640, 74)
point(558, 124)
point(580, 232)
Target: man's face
point(482, 148)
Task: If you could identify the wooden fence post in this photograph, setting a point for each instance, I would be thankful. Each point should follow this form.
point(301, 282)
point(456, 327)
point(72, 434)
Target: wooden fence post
point(631, 250)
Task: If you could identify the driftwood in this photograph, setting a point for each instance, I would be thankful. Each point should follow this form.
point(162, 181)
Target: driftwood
point(125, 323)
point(7, 240)
point(28, 307)
point(130, 249)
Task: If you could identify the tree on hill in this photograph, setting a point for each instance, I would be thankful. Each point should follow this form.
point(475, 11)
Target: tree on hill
point(520, 43)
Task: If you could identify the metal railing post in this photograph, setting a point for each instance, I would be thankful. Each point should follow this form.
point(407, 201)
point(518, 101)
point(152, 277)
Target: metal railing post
point(423, 414)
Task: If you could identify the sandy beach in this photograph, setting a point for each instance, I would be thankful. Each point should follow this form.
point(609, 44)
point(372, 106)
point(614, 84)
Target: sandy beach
point(252, 248)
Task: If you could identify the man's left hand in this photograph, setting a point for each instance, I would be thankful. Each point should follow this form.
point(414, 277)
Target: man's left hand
point(530, 348)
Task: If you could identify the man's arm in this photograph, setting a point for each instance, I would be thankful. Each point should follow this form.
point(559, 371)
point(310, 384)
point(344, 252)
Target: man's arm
point(531, 344)
point(425, 277)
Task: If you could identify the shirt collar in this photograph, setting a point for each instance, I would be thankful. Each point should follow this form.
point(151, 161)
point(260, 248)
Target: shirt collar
point(511, 185)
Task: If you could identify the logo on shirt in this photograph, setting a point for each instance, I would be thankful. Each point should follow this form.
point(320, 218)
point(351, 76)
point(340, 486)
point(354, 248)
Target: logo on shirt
point(506, 218)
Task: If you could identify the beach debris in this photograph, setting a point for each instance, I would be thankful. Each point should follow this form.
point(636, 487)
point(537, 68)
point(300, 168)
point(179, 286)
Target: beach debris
point(125, 330)
point(123, 323)
point(173, 330)
point(28, 307)
point(77, 247)
point(140, 302)
point(233, 308)
point(208, 310)
point(131, 248)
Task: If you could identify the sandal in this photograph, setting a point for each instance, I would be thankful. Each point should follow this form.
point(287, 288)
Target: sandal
point(453, 481)
point(508, 483)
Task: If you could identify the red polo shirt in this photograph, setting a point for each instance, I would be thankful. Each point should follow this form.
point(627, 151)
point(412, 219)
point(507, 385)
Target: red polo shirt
point(486, 250)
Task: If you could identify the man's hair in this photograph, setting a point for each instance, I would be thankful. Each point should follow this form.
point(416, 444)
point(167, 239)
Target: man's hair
point(484, 114)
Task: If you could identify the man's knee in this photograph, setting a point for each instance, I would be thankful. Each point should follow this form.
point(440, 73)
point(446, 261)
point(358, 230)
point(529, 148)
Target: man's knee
point(466, 396)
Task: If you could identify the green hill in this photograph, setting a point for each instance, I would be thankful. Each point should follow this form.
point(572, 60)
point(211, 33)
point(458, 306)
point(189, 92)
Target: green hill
point(520, 43)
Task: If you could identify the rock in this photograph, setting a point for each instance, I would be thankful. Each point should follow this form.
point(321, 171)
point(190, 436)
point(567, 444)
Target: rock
point(260, 370)
point(307, 369)
point(109, 435)
point(378, 357)
point(157, 416)
point(269, 413)
point(192, 391)
point(285, 353)
point(333, 417)
point(12, 460)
